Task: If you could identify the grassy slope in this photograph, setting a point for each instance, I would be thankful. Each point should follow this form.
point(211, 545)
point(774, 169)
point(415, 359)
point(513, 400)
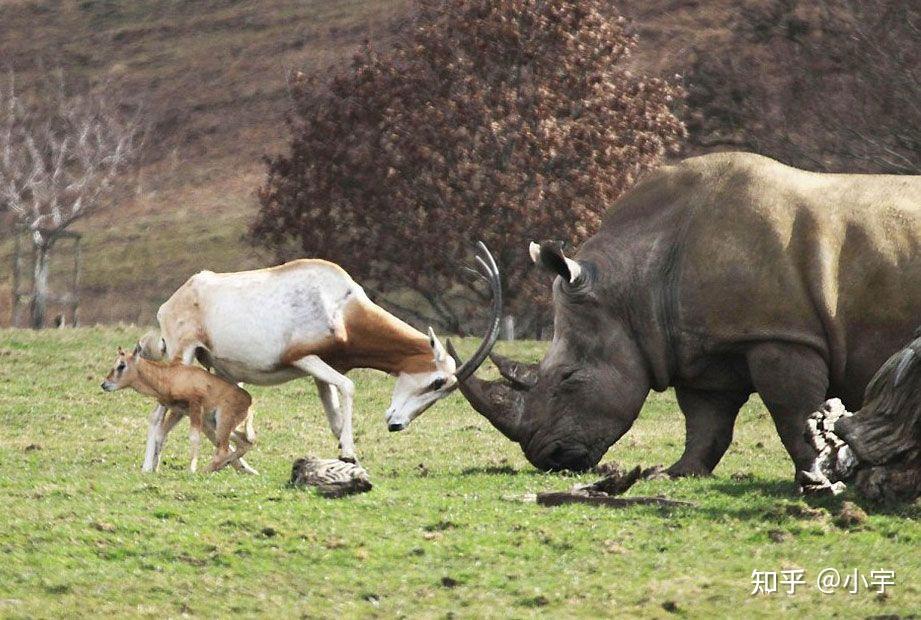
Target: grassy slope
point(84, 532)
point(211, 73)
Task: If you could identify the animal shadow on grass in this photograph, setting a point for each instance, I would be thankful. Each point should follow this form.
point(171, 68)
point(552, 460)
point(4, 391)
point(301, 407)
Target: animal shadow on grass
point(753, 489)
point(501, 470)
point(786, 490)
point(748, 487)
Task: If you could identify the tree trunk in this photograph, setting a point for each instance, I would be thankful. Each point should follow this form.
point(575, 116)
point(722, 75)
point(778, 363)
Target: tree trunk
point(17, 278)
point(878, 448)
point(40, 285)
point(885, 434)
point(508, 327)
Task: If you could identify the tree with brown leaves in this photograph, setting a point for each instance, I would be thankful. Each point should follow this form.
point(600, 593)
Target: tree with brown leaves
point(829, 85)
point(500, 120)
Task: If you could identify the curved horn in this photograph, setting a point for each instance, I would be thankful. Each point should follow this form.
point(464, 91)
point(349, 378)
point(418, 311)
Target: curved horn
point(494, 400)
point(491, 271)
point(522, 376)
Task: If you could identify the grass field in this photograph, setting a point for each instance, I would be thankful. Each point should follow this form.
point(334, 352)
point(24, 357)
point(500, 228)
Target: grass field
point(83, 532)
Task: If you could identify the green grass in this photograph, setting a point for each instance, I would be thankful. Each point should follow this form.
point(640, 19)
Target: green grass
point(83, 532)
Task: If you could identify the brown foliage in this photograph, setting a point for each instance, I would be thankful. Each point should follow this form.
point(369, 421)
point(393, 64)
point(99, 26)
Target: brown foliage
point(827, 85)
point(500, 120)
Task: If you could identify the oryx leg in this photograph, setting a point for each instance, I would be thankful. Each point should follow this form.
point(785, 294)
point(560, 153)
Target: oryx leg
point(195, 425)
point(330, 399)
point(167, 423)
point(340, 418)
point(152, 455)
point(162, 421)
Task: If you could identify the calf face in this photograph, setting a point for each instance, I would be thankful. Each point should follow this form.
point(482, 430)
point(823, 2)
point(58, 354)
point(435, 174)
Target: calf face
point(122, 372)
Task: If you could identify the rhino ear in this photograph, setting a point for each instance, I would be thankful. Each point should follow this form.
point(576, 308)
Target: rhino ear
point(549, 255)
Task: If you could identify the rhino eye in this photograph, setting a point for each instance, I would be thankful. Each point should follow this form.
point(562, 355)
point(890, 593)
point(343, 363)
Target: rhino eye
point(570, 381)
point(568, 374)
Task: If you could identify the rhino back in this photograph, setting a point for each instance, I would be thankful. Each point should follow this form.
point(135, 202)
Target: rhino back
point(748, 249)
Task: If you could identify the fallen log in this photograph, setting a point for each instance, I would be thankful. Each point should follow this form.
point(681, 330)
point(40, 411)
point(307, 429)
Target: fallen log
point(878, 448)
point(604, 492)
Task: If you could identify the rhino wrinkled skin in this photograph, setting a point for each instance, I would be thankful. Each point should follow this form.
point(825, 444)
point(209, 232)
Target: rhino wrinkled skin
point(722, 275)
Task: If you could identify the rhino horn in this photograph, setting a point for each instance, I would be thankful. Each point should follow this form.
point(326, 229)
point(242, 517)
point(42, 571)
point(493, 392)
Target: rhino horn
point(497, 401)
point(521, 375)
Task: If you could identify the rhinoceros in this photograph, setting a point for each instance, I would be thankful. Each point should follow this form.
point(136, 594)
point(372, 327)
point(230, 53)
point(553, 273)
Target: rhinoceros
point(722, 275)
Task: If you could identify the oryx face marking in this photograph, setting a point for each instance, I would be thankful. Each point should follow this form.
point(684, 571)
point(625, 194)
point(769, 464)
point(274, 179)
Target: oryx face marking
point(416, 392)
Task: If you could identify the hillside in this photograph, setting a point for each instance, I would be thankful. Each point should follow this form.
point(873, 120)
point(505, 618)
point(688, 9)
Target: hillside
point(212, 75)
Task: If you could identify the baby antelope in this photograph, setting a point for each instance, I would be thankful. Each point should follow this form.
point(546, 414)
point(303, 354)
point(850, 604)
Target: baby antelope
point(179, 387)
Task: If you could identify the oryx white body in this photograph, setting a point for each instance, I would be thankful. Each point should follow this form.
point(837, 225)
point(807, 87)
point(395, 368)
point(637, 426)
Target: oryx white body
point(303, 318)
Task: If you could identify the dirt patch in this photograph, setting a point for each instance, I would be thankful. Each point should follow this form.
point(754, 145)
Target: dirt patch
point(850, 516)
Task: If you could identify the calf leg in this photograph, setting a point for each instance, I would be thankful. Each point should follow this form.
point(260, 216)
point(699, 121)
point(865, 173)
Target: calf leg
point(709, 418)
point(330, 402)
point(325, 374)
point(227, 421)
point(792, 380)
point(209, 428)
point(247, 436)
point(172, 418)
point(222, 452)
point(156, 433)
point(187, 352)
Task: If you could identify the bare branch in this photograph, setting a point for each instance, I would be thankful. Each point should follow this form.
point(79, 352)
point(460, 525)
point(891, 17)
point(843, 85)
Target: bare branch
point(61, 153)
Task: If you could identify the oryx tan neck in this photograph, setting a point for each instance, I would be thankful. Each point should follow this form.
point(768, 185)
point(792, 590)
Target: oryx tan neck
point(371, 338)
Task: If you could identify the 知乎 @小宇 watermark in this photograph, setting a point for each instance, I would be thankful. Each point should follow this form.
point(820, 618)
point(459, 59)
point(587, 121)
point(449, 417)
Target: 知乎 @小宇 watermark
point(827, 581)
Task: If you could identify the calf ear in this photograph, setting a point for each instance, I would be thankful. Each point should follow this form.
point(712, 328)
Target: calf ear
point(549, 255)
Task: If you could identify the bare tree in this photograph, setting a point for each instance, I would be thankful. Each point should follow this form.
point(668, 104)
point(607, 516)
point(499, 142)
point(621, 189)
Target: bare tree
point(61, 154)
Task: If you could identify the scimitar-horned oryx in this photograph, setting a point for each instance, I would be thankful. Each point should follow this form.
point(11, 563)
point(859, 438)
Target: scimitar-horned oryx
point(308, 317)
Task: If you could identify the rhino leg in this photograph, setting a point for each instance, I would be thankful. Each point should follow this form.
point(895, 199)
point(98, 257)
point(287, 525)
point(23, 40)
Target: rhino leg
point(709, 418)
point(792, 380)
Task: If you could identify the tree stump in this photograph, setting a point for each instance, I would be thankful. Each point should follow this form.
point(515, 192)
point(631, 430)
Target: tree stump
point(878, 448)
